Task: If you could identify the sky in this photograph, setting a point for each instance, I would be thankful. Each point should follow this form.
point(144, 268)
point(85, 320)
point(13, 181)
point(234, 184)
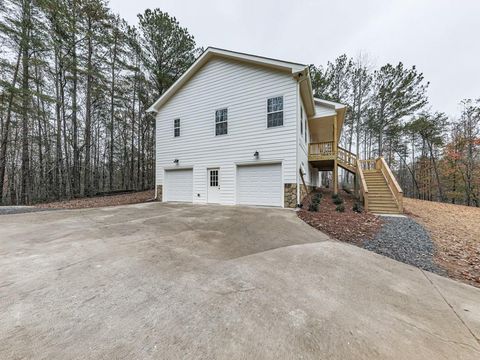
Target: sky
point(440, 37)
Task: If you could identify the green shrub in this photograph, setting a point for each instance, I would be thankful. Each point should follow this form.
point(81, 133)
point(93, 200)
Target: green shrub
point(338, 200)
point(340, 208)
point(357, 207)
point(335, 196)
point(316, 198)
point(313, 206)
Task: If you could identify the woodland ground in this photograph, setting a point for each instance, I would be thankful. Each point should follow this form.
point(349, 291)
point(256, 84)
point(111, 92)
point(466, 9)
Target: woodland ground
point(101, 201)
point(455, 230)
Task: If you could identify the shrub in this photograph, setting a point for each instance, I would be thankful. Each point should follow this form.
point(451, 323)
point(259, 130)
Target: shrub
point(338, 200)
point(313, 206)
point(340, 208)
point(357, 207)
point(335, 196)
point(317, 197)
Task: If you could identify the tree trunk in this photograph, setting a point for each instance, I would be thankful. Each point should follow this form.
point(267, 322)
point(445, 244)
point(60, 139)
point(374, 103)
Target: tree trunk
point(25, 44)
point(112, 112)
point(6, 128)
point(88, 113)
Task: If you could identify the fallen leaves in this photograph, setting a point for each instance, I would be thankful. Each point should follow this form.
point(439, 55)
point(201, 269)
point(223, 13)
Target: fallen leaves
point(101, 201)
point(455, 230)
point(348, 226)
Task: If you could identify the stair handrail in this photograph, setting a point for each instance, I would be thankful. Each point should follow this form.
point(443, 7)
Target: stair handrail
point(346, 156)
point(391, 182)
point(363, 186)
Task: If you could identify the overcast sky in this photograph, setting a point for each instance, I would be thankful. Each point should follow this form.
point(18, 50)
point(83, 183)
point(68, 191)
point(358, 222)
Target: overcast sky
point(440, 37)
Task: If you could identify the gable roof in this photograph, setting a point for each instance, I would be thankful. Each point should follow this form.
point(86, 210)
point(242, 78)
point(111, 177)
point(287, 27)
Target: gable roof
point(298, 71)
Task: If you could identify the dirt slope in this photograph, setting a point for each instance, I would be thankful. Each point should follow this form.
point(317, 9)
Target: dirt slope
point(455, 229)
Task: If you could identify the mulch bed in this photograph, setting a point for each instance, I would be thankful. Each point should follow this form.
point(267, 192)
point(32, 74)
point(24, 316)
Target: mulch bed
point(101, 201)
point(349, 226)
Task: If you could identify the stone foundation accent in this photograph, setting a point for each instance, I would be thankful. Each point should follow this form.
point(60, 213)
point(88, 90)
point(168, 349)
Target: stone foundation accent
point(290, 195)
point(159, 193)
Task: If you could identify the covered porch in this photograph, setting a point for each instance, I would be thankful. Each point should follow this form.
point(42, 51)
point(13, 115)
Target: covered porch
point(325, 128)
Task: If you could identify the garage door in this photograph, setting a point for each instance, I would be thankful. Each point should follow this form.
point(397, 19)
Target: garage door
point(179, 185)
point(259, 185)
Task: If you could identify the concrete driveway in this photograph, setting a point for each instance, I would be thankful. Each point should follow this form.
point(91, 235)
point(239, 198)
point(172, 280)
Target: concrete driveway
point(181, 281)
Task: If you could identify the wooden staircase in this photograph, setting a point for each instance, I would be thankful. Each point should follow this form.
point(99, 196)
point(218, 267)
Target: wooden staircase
point(379, 189)
point(383, 196)
point(380, 198)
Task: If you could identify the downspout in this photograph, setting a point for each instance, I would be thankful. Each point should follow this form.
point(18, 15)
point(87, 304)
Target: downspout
point(296, 142)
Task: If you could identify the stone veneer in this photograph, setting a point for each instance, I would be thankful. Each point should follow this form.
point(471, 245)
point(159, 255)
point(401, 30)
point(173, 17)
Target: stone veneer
point(159, 192)
point(290, 194)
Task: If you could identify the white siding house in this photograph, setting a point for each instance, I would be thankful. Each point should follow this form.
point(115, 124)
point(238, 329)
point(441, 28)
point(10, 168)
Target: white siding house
point(234, 130)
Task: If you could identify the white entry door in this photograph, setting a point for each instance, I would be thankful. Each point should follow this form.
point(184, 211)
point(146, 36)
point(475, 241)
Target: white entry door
point(213, 179)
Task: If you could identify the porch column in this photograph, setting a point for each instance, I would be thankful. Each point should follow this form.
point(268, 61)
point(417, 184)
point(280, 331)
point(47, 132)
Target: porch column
point(335, 149)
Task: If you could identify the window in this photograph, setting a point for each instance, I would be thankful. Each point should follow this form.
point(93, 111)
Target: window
point(275, 111)
point(221, 122)
point(176, 127)
point(213, 177)
point(301, 121)
point(306, 128)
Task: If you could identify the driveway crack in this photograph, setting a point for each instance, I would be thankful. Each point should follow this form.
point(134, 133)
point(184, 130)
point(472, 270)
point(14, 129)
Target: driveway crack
point(451, 307)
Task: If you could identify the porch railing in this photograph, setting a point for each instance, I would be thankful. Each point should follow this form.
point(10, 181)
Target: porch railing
point(367, 165)
point(321, 151)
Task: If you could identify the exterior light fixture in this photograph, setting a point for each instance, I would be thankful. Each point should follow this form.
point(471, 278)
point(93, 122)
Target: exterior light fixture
point(256, 155)
point(175, 161)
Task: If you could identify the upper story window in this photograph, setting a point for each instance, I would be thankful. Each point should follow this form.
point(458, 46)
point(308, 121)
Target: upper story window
point(221, 122)
point(301, 121)
point(176, 127)
point(275, 111)
point(306, 132)
point(306, 127)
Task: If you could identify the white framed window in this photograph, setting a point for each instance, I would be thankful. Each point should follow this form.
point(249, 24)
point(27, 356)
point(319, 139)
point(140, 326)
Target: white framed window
point(176, 128)
point(301, 120)
point(221, 122)
point(275, 111)
point(306, 130)
point(213, 177)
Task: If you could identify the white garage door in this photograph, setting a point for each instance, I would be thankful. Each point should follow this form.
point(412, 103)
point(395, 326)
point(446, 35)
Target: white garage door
point(179, 185)
point(259, 185)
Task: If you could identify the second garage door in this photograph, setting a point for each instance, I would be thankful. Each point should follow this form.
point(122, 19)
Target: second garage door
point(179, 185)
point(259, 185)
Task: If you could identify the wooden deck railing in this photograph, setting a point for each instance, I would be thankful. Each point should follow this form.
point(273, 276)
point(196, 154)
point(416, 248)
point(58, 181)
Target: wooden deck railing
point(392, 183)
point(321, 151)
point(367, 165)
point(348, 158)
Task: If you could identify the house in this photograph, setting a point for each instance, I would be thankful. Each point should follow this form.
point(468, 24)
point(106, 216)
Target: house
point(242, 129)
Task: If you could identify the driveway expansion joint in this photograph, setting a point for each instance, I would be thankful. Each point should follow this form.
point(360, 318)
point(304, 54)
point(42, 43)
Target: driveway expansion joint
point(451, 307)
